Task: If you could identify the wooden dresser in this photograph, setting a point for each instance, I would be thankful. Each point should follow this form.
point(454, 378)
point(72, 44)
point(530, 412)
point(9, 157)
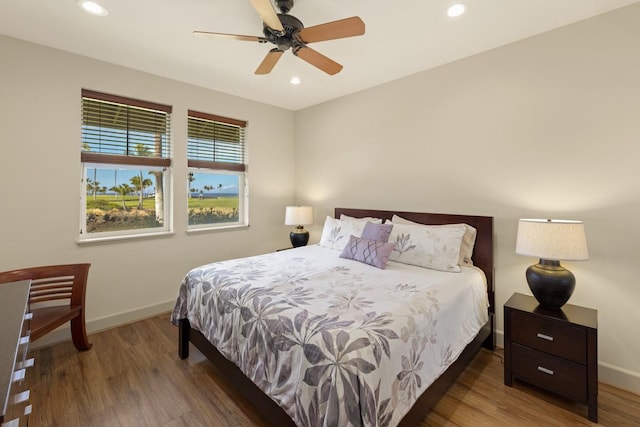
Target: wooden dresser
point(553, 349)
point(14, 343)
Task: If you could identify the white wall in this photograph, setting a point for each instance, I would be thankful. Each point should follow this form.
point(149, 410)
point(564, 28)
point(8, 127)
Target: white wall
point(40, 180)
point(546, 127)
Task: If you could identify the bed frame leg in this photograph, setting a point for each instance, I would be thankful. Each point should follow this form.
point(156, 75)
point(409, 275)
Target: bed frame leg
point(490, 342)
point(183, 338)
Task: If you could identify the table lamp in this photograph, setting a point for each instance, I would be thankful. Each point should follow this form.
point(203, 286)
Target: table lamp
point(551, 240)
point(298, 216)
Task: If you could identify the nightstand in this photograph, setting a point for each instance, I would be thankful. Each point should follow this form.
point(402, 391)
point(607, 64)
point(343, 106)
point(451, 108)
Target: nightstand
point(554, 350)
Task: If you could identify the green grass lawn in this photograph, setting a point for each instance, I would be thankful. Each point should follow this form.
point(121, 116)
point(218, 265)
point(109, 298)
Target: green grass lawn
point(221, 202)
point(148, 203)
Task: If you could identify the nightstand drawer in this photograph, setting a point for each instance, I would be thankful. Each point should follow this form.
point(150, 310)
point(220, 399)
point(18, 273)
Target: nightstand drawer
point(555, 374)
point(547, 335)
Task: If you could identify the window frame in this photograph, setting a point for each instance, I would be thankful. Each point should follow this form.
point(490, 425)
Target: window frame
point(237, 167)
point(161, 157)
point(242, 200)
point(129, 233)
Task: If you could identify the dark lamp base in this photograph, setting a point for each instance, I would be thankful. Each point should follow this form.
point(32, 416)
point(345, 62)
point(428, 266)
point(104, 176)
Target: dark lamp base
point(299, 237)
point(550, 283)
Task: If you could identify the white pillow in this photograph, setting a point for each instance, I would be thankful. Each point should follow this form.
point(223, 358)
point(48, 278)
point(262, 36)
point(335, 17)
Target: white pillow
point(344, 217)
point(336, 232)
point(427, 246)
point(468, 241)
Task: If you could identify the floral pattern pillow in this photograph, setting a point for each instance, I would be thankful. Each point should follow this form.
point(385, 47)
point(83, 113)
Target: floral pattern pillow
point(432, 247)
point(468, 240)
point(336, 232)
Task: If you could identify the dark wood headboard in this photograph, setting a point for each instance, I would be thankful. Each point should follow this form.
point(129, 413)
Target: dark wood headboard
point(482, 251)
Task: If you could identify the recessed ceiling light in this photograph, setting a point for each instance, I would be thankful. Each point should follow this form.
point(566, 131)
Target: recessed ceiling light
point(456, 9)
point(295, 80)
point(92, 7)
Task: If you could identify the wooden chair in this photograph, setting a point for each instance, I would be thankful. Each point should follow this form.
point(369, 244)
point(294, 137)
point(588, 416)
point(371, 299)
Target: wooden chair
point(49, 286)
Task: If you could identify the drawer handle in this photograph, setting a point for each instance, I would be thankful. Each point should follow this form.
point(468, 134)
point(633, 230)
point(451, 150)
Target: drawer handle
point(13, 423)
point(21, 397)
point(18, 375)
point(28, 316)
point(28, 409)
point(545, 337)
point(26, 364)
point(545, 370)
point(24, 340)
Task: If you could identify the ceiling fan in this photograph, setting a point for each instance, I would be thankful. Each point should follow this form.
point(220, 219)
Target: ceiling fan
point(286, 31)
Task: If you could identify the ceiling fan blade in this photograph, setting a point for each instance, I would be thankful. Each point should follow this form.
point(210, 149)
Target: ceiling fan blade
point(347, 27)
point(269, 61)
point(208, 35)
point(318, 60)
point(268, 14)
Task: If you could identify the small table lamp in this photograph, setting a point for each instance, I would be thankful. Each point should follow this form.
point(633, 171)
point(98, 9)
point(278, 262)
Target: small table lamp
point(298, 216)
point(551, 241)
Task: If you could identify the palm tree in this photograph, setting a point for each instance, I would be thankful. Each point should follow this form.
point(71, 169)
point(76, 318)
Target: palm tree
point(191, 179)
point(159, 189)
point(122, 190)
point(142, 150)
point(93, 187)
point(219, 188)
point(115, 181)
point(95, 182)
point(89, 185)
point(139, 184)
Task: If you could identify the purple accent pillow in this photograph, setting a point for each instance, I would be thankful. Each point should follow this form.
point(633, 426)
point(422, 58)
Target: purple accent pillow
point(368, 251)
point(377, 232)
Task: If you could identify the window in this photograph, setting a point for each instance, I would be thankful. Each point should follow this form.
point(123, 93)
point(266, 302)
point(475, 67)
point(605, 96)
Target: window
point(126, 163)
point(217, 179)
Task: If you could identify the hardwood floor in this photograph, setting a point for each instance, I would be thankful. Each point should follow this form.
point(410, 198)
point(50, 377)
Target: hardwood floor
point(133, 377)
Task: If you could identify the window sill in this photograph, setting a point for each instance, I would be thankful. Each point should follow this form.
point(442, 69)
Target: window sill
point(116, 239)
point(218, 229)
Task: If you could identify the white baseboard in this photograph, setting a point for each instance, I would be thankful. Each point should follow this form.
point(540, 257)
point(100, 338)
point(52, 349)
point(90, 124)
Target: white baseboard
point(619, 377)
point(607, 373)
point(63, 333)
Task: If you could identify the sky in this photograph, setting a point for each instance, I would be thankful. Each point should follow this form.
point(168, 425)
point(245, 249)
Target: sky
point(112, 177)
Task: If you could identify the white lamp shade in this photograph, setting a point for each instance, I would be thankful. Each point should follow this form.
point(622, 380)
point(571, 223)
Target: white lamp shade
point(298, 215)
point(552, 239)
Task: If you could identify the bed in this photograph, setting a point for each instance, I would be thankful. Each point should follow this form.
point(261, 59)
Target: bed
point(311, 338)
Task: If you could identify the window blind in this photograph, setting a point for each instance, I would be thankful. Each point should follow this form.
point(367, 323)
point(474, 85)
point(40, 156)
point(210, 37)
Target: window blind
point(119, 130)
point(215, 142)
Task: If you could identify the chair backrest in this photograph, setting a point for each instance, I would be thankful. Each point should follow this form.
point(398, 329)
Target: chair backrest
point(53, 282)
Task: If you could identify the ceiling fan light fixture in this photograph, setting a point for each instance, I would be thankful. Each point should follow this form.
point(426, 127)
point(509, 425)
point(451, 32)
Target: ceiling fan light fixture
point(456, 9)
point(92, 7)
point(287, 32)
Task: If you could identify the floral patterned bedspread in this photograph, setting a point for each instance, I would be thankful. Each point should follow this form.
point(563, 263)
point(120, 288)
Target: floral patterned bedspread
point(335, 342)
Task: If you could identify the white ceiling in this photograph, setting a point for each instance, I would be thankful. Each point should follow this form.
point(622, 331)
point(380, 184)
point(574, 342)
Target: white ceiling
point(402, 37)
